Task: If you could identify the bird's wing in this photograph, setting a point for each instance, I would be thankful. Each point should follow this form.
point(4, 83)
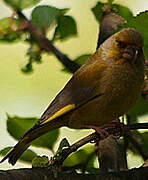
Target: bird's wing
point(80, 89)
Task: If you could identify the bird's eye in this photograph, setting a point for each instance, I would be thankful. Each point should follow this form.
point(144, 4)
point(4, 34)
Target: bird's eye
point(122, 44)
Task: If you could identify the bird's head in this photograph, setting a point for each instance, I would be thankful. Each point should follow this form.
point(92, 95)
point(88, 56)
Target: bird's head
point(127, 44)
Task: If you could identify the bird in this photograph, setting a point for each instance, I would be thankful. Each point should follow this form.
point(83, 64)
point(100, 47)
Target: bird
point(106, 87)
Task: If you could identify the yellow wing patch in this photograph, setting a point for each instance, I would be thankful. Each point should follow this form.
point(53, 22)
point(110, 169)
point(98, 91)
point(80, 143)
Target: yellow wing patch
point(60, 112)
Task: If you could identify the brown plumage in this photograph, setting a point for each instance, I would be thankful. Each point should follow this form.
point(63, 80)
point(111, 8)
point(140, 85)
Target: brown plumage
point(104, 88)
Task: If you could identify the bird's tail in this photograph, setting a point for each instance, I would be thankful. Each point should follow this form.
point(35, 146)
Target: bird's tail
point(35, 132)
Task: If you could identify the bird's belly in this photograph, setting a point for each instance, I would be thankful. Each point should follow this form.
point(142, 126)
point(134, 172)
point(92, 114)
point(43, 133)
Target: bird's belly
point(92, 113)
point(119, 95)
point(103, 109)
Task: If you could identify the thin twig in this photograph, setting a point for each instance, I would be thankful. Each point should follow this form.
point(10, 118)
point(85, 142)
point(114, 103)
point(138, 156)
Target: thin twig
point(125, 142)
point(137, 146)
point(59, 158)
point(130, 138)
point(46, 45)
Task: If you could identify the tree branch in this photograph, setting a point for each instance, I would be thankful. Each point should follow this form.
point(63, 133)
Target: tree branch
point(109, 151)
point(46, 45)
point(137, 146)
point(130, 138)
point(45, 173)
point(59, 158)
point(110, 22)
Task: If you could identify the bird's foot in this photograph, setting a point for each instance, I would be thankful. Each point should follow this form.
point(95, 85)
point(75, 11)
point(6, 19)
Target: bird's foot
point(102, 132)
point(122, 126)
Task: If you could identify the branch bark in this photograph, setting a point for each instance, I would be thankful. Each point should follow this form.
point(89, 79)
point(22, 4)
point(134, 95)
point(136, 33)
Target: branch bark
point(51, 173)
point(45, 173)
point(94, 137)
point(110, 22)
point(111, 155)
point(134, 141)
point(137, 146)
point(46, 45)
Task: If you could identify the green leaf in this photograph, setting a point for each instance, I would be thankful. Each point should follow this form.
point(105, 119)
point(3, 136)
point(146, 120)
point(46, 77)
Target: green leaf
point(27, 156)
point(141, 108)
point(123, 11)
point(145, 142)
point(48, 140)
point(34, 55)
point(90, 166)
point(82, 59)
point(40, 161)
point(145, 49)
point(110, 1)
point(17, 126)
point(98, 11)
point(140, 22)
point(44, 16)
point(8, 30)
point(63, 144)
point(27, 69)
point(79, 157)
point(21, 4)
point(66, 28)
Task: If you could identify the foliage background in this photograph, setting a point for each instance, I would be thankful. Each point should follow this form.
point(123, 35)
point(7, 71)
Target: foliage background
point(29, 95)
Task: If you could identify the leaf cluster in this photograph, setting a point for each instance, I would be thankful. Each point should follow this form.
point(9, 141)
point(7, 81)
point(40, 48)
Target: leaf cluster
point(50, 20)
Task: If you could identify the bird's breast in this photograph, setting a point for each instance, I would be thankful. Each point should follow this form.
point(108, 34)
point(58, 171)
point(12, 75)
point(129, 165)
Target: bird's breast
point(121, 87)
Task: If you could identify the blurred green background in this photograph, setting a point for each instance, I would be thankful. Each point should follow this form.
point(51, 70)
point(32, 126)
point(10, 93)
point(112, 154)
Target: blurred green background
point(29, 95)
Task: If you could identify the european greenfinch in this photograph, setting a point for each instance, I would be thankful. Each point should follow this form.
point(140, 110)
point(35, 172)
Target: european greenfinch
point(103, 89)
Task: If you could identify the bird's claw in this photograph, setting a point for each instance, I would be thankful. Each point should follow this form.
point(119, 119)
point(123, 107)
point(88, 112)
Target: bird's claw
point(102, 132)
